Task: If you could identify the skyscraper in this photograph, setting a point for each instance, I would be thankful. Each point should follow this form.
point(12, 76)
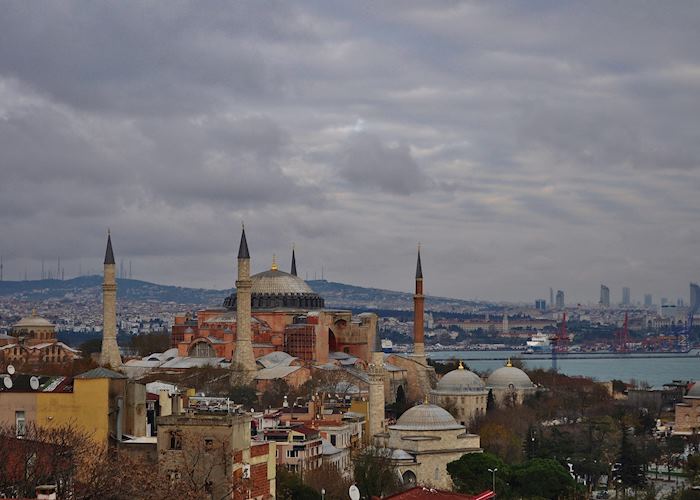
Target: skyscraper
point(551, 297)
point(604, 296)
point(541, 304)
point(625, 295)
point(694, 297)
point(560, 299)
point(647, 300)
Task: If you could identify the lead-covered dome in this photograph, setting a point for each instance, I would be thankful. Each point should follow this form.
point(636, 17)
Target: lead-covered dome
point(459, 381)
point(509, 376)
point(276, 289)
point(694, 392)
point(33, 321)
point(278, 282)
point(426, 417)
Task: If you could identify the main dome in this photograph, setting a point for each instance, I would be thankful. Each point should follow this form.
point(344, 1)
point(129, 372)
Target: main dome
point(276, 289)
point(508, 376)
point(278, 282)
point(426, 417)
point(459, 381)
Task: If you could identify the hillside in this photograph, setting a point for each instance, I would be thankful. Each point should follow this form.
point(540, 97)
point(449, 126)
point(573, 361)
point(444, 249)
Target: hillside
point(337, 295)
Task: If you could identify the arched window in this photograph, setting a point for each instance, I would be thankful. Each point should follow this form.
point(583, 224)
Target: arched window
point(409, 478)
point(202, 350)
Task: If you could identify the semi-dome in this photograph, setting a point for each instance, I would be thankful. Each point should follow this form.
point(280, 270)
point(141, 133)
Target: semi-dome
point(509, 376)
point(426, 417)
point(459, 381)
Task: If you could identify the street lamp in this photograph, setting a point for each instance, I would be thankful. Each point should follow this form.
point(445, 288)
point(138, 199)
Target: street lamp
point(323, 493)
point(493, 479)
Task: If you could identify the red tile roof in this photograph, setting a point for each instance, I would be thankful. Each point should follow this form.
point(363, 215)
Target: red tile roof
point(420, 493)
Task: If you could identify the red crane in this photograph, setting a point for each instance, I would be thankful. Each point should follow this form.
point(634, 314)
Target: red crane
point(623, 337)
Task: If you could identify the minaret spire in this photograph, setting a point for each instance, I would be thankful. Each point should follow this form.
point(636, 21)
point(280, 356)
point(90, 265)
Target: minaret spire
point(419, 267)
point(109, 253)
point(294, 263)
point(243, 247)
point(109, 354)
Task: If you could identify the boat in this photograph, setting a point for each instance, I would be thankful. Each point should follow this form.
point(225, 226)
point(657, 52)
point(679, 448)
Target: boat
point(387, 346)
point(538, 343)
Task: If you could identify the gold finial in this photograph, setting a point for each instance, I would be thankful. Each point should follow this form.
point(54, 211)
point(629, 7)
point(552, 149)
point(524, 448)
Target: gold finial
point(425, 400)
point(34, 311)
point(461, 365)
point(509, 364)
point(274, 262)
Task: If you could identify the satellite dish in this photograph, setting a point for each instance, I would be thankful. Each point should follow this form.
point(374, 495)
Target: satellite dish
point(354, 493)
point(10, 369)
point(7, 382)
point(34, 383)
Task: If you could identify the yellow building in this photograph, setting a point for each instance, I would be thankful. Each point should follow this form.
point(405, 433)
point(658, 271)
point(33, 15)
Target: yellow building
point(100, 402)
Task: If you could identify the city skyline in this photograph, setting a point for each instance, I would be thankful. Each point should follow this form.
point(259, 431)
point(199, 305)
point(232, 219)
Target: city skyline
point(556, 147)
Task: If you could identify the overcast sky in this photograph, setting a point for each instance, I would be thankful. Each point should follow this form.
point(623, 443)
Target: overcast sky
point(524, 144)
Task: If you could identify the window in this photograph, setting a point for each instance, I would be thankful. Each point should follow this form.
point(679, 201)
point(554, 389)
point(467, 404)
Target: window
point(20, 423)
point(333, 439)
point(175, 440)
point(208, 444)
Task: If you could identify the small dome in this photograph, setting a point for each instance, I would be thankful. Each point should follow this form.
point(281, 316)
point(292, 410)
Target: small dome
point(426, 417)
point(694, 391)
point(506, 376)
point(459, 381)
point(278, 282)
point(33, 321)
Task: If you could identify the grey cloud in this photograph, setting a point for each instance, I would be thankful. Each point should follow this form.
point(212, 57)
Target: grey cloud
point(489, 129)
point(365, 161)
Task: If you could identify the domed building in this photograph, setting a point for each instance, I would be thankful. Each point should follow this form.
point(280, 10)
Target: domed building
point(462, 392)
point(286, 315)
point(510, 385)
point(33, 340)
point(424, 440)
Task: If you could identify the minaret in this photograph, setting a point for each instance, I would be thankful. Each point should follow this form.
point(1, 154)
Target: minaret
point(109, 355)
point(418, 305)
point(243, 358)
point(294, 263)
point(375, 374)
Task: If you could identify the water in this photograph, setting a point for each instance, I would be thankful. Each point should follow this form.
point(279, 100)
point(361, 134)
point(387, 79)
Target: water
point(656, 370)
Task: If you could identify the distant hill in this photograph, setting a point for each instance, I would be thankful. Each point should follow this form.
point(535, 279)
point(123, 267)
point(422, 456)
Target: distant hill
point(337, 295)
point(127, 289)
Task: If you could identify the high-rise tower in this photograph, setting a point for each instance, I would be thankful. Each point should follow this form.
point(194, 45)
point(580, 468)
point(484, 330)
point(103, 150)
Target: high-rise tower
point(109, 355)
point(375, 374)
point(243, 358)
point(418, 311)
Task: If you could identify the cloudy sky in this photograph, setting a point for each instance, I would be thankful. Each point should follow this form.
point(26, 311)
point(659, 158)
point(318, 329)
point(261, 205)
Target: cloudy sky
point(524, 144)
